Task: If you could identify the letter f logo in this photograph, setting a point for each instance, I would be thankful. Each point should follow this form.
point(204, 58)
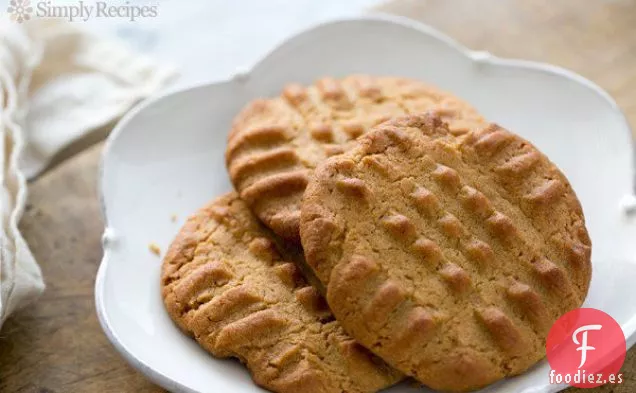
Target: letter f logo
point(584, 347)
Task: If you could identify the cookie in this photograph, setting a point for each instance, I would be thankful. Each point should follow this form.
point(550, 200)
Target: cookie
point(228, 283)
point(275, 144)
point(448, 256)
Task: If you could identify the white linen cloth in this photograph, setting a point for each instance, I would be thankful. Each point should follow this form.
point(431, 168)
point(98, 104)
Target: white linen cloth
point(58, 83)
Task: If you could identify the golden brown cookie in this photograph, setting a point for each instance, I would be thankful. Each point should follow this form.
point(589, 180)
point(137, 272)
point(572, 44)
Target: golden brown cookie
point(276, 143)
point(225, 282)
point(449, 257)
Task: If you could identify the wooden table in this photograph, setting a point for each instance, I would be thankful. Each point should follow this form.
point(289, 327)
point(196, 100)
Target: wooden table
point(57, 345)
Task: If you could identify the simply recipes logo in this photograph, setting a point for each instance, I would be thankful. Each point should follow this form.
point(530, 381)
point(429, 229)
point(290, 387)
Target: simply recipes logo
point(586, 348)
point(20, 10)
point(23, 10)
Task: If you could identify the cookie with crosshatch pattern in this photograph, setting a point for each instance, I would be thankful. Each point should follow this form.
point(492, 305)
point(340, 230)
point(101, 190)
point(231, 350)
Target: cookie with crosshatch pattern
point(231, 285)
point(275, 144)
point(448, 256)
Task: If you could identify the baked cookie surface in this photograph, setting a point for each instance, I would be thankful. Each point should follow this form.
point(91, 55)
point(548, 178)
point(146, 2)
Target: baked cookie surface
point(226, 282)
point(275, 144)
point(448, 256)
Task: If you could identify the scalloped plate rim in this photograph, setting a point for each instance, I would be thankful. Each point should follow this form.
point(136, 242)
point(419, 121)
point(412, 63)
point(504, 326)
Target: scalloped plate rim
point(474, 56)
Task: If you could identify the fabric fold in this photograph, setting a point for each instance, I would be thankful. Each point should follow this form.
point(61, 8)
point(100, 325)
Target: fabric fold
point(59, 84)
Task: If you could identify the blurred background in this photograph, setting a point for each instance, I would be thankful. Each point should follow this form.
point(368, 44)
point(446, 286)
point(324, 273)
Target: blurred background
point(207, 40)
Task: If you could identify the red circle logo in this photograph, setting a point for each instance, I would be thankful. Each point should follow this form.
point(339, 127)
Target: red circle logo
point(586, 348)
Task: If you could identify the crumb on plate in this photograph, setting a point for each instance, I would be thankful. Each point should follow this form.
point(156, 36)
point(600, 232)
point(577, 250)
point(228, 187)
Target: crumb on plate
point(154, 248)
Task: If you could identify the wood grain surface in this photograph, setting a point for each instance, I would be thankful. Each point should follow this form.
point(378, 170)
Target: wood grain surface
point(56, 345)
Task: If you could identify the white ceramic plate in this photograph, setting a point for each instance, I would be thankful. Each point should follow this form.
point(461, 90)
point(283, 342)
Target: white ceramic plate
point(166, 157)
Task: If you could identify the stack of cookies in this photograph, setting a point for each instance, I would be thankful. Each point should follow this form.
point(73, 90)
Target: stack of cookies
point(380, 229)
